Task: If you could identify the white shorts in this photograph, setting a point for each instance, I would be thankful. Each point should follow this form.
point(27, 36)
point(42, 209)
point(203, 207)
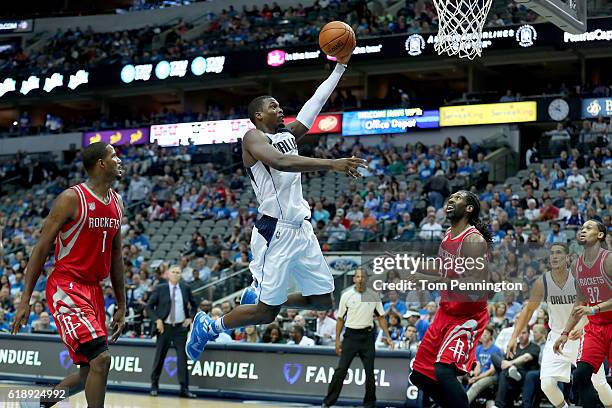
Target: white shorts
point(282, 249)
point(559, 367)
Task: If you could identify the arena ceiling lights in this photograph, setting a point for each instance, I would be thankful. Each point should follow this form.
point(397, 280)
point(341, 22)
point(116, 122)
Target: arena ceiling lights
point(49, 83)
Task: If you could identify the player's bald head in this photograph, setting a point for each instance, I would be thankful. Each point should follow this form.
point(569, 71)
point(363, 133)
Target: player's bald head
point(258, 105)
point(93, 153)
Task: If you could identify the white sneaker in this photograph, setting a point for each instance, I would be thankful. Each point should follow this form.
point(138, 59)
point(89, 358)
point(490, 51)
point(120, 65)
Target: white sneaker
point(514, 373)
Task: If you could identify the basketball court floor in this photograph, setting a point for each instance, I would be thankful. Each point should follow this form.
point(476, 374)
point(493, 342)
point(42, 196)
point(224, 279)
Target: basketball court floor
point(143, 400)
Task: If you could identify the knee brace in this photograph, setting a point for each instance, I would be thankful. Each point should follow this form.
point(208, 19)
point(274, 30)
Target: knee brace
point(551, 389)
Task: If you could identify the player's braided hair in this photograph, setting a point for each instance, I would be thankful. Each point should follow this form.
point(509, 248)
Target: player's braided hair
point(474, 217)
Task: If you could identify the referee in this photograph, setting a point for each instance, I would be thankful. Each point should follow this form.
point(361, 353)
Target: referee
point(358, 339)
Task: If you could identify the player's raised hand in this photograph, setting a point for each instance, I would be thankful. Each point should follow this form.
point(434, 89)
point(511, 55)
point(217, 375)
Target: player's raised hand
point(558, 347)
point(21, 315)
point(118, 323)
point(349, 166)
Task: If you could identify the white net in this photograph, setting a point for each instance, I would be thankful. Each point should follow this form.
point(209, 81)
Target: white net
point(460, 27)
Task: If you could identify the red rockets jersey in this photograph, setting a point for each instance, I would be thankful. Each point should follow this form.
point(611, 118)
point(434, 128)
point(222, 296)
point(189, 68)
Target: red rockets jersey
point(595, 285)
point(457, 304)
point(84, 245)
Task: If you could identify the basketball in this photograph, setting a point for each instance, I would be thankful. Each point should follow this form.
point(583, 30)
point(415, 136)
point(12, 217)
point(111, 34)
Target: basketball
point(337, 39)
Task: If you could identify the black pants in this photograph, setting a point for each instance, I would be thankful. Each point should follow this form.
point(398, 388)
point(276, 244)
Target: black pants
point(507, 389)
point(361, 343)
point(178, 336)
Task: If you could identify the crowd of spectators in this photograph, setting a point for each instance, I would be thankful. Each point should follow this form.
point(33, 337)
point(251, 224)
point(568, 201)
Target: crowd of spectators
point(402, 197)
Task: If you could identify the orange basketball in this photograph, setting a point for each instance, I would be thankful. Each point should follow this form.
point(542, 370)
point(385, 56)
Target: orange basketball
point(337, 39)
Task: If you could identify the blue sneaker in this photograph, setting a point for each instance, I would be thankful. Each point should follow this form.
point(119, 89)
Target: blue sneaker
point(199, 334)
point(249, 296)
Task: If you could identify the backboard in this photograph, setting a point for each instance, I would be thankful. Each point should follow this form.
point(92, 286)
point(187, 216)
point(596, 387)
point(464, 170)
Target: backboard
point(568, 15)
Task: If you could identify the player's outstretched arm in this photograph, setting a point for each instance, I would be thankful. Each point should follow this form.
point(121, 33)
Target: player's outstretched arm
point(64, 209)
point(256, 144)
point(535, 298)
point(307, 115)
point(573, 320)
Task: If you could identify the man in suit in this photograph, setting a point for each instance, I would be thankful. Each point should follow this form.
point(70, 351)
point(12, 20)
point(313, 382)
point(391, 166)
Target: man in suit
point(172, 307)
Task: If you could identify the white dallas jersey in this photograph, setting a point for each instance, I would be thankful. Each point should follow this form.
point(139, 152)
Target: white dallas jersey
point(279, 193)
point(560, 301)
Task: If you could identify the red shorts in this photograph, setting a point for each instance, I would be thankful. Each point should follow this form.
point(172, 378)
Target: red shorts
point(595, 345)
point(450, 340)
point(78, 311)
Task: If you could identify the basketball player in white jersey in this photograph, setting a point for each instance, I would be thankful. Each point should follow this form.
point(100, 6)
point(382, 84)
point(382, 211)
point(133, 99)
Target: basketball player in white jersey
point(283, 242)
point(558, 289)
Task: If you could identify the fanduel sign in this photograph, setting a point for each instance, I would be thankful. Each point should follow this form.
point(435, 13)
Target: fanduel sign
point(19, 357)
point(245, 370)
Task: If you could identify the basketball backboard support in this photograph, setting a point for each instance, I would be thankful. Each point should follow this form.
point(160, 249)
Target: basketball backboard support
point(568, 15)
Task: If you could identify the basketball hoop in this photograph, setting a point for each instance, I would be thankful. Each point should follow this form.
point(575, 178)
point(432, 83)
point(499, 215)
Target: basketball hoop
point(460, 27)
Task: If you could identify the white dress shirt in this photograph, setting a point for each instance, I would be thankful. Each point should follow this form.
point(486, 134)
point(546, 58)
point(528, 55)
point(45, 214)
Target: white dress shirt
point(179, 312)
point(306, 341)
point(326, 330)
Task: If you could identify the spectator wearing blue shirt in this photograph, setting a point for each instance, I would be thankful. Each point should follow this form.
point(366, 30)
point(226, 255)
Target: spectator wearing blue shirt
point(386, 213)
point(402, 205)
point(35, 313)
point(513, 308)
point(395, 305)
point(425, 170)
point(17, 286)
point(139, 240)
point(575, 220)
point(512, 206)
point(556, 235)
point(319, 213)
point(220, 211)
point(422, 325)
point(372, 202)
point(464, 169)
point(488, 194)
point(483, 376)
point(560, 181)
point(4, 326)
point(41, 283)
point(497, 234)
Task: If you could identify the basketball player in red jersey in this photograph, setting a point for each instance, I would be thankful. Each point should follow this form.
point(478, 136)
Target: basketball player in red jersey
point(84, 222)
point(449, 346)
point(594, 299)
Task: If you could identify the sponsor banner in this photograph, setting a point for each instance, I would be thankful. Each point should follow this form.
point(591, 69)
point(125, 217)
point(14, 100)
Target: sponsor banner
point(227, 131)
point(342, 263)
point(376, 122)
point(200, 133)
point(288, 372)
point(595, 107)
point(512, 112)
point(323, 124)
point(117, 137)
point(16, 26)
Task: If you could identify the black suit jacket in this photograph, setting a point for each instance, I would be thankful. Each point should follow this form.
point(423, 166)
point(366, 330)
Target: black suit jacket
point(159, 303)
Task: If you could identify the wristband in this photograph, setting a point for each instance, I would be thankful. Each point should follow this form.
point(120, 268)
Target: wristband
point(594, 309)
point(565, 333)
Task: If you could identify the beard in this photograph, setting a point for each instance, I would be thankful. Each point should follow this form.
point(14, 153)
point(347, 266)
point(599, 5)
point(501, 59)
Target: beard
point(455, 215)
